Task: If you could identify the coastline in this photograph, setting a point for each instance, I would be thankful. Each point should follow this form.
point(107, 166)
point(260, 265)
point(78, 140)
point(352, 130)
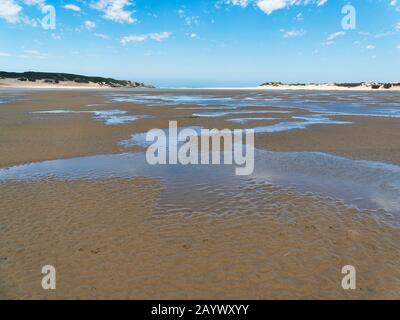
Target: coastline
point(15, 84)
point(71, 86)
point(56, 87)
point(40, 80)
point(283, 88)
point(301, 88)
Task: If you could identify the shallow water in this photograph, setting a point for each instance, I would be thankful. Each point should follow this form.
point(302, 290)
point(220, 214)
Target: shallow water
point(236, 112)
point(324, 106)
point(305, 122)
point(109, 117)
point(245, 120)
point(386, 104)
point(365, 184)
point(9, 96)
point(359, 183)
point(139, 139)
point(156, 99)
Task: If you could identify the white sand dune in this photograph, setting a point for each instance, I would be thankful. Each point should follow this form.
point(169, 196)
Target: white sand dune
point(41, 84)
point(321, 87)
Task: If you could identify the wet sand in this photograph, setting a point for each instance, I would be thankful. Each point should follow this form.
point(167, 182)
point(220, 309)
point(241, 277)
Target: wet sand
point(370, 138)
point(27, 137)
point(128, 238)
point(115, 239)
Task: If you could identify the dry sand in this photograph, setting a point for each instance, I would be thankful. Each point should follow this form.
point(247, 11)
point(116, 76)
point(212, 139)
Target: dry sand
point(42, 84)
point(327, 86)
point(309, 87)
point(120, 238)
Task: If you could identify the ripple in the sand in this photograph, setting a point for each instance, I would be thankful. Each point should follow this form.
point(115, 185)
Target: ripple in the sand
point(376, 183)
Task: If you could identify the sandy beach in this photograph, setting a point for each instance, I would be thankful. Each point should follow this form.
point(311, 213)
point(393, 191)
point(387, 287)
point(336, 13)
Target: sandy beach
point(175, 236)
point(16, 84)
point(329, 86)
point(199, 159)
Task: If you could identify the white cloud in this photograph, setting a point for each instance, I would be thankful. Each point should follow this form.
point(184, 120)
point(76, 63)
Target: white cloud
point(39, 3)
point(139, 38)
point(56, 36)
point(102, 36)
point(115, 10)
point(242, 3)
point(5, 54)
point(29, 21)
point(72, 7)
point(32, 53)
point(159, 36)
point(333, 36)
point(398, 47)
point(192, 20)
point(397, 26)
point(189, 20)
point(383, 34)
point(393, 3)
point(370, 47)
point(90, 25)
point(269, 6)
point(144, 37)
point(9, 10)
point(299, 16)
point(293, 33)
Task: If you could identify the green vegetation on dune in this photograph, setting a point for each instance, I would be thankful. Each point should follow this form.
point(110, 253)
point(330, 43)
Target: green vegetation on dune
point(372, 85)
point(275, 84)
point(57, 78)
point(349, 84)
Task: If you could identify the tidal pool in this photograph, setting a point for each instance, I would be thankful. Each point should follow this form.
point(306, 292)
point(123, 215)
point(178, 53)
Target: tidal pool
point(363, 184)
point(109, 117)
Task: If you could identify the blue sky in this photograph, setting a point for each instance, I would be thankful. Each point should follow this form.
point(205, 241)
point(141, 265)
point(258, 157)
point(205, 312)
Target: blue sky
point(204, 43)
